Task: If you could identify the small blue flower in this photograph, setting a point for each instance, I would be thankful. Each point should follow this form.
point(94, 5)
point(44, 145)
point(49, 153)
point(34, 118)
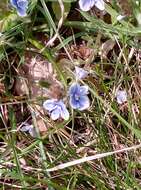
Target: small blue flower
point(86, 5)
point(80, 73)
point(21, 6)
point(29, 128)
point(57, 109)
point(78, 97)
point(121, 96)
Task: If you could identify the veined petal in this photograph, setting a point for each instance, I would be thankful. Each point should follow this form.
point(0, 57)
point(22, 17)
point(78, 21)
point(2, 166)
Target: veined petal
point(32, 132)
point(65, 114)
point(84, 90)
point(74, 88)
point(23, 4)
point(84, 103)
point(74, 103)
point(13, 3)
point(86, 5)
point(63, 110)
point(21, 12)
point(50, 104)
point(26, 128)
point(55, 114)
point(100, 4)
point(80, 73)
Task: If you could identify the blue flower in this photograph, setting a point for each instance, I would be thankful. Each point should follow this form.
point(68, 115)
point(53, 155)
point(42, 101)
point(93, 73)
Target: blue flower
point(80, 73)
point(121, 96)
point(78, 97)
point(56, 108)
point(29, 128)
point(21, 6)
point(86, 5)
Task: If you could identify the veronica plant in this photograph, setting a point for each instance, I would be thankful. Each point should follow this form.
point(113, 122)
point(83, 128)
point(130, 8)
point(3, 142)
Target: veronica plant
point(21, 6)
point(78, 97)
point(56, 108)
point(86, 5)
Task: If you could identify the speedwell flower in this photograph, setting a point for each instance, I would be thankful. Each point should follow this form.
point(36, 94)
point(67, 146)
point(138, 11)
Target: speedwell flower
point(78, 97)
point(21, 6)
point(86, 5)
point(29, 128)
point(56, 108)
point(80, 73)
point(121, 96)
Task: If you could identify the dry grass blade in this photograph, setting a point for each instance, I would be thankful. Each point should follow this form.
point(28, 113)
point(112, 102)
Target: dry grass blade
point(90, 158)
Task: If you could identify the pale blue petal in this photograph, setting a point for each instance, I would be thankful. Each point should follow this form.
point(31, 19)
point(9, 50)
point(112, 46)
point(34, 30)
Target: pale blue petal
point(21, 12)
point(32, 132)
point(80, 73)
point(74, 88)
point(84, 103)
point(55, 114)
point(23, 4)
point(74, 103)
point(63, 110)
point(100, 4)
point(60, 103)
point(121, 96)
point(86, 5)
point(26, 128)
point(83, 90)
point(13, 3)
point(65, 114)
point(50, 104)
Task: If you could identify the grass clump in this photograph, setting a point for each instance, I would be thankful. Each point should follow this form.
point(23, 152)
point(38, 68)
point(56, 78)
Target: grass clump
point(70, 89)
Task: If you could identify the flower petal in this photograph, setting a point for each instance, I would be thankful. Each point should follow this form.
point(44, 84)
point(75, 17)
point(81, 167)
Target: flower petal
point(55, 114)
point(74, 103)
point(84, 103)
point(21, 12)
point(63, 110)
point(32, 132)
point(50, 104)
point(74, 88)
point(83, 90)
point(65, 114)
point(80, 73)
point(26, 128)
point(23, 4)
point(13, 3)
point(100, 4)
point(86, 5)
point(121, 96)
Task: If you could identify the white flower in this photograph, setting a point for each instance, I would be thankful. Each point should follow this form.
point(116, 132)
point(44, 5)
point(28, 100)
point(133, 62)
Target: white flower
point(121, 96)
point(86, 5)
